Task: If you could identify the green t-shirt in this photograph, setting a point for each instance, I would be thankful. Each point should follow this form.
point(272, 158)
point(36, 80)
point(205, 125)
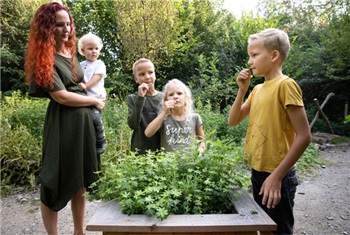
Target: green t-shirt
point(142, 111)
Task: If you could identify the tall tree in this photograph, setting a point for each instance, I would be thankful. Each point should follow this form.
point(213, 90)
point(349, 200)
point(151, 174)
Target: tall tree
point(99, 17)
point(197, 35)
point(147, 28)
point(337, 41)
point(15, 22)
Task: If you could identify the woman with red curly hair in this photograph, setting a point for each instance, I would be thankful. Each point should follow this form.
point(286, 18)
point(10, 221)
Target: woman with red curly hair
point(69, 152)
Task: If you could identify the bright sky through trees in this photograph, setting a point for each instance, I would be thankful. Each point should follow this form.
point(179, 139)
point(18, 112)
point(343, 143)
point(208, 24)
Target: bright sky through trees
point(237, 6)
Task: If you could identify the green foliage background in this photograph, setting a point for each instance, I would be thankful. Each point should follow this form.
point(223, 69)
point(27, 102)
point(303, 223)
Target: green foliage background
point(22, 119)
point(205, 47)
point(200, 43)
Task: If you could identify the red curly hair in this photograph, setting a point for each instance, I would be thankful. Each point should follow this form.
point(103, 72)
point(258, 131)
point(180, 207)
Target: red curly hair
point(39, 61)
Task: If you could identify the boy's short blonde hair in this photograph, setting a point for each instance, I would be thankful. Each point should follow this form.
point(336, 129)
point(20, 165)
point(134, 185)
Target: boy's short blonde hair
point(86, 37)
point(139, 61)
point(273, 39)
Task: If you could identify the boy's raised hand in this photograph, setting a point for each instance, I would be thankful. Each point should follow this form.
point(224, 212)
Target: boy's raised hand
point(143, 88)
point(243, 79)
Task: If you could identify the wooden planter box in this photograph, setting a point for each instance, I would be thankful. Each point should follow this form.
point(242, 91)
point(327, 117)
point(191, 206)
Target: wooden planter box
point(250, 218)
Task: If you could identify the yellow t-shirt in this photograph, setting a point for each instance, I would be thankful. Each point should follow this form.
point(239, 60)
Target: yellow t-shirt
point(270, 132)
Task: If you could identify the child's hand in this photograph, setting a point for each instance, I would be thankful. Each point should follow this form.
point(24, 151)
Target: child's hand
point(271, 191)
point(100, 104)
point(201, 149)
point(82, 85)
point(243, 79)
point(143, 89)
point(168, 105)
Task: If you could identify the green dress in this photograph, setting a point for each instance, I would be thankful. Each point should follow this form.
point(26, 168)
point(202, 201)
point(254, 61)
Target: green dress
point(69, 144)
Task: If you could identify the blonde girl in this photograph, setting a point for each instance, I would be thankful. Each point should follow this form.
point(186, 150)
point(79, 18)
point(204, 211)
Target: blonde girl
point(177, 123)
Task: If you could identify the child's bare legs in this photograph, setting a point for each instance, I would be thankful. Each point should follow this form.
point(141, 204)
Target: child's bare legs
point(78, 211)
point(49, 219)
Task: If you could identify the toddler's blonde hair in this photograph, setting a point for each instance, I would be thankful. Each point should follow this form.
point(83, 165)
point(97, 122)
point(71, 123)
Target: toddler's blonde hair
point(87, 37)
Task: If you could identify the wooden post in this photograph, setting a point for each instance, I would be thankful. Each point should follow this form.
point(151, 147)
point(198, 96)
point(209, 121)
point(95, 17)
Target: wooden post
point(322, 105)
point(346, 109)
point(329, 127)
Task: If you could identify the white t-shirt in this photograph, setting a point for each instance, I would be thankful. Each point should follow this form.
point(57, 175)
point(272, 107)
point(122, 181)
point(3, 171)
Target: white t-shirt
point(90, 69)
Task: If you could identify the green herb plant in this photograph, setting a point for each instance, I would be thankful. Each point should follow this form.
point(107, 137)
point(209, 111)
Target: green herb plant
point(160, 184)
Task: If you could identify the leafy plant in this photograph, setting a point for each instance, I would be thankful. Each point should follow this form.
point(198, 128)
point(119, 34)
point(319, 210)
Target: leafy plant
point(216, 120)
point(174, 183)
point(19, 110)
point(220, 91)
point(199, 179)
point(117, 130)
point(310, 158)
point(20, 157)
point(21, 127)
point(347, 118)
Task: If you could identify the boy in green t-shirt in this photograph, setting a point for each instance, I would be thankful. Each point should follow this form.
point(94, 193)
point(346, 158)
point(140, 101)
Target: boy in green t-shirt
point(278, 131)
point(143, 107)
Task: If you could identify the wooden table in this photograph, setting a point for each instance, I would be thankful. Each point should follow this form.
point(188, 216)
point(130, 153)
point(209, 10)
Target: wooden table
point(250, 218)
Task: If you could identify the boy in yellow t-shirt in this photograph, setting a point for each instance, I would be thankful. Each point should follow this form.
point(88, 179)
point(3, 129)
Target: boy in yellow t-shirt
point(278, 131)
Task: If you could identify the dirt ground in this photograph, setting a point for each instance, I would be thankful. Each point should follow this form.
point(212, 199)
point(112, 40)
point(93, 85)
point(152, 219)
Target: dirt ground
point(322, 204)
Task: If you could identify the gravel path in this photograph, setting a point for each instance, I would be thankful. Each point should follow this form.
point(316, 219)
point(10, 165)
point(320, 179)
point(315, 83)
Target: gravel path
point(20, 214)
point(322, 204)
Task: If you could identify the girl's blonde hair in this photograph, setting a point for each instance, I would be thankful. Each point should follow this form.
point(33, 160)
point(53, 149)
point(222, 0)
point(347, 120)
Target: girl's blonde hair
point(188, 94)
point(88, 37)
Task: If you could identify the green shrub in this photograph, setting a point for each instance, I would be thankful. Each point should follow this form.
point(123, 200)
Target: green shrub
point(20, 157)
point(115, 119)
point(174, 183)
point(21, 127)
point(309, 159)
point(117, 130)
point(22, 121)
point(216, 120)
point(21, 110)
